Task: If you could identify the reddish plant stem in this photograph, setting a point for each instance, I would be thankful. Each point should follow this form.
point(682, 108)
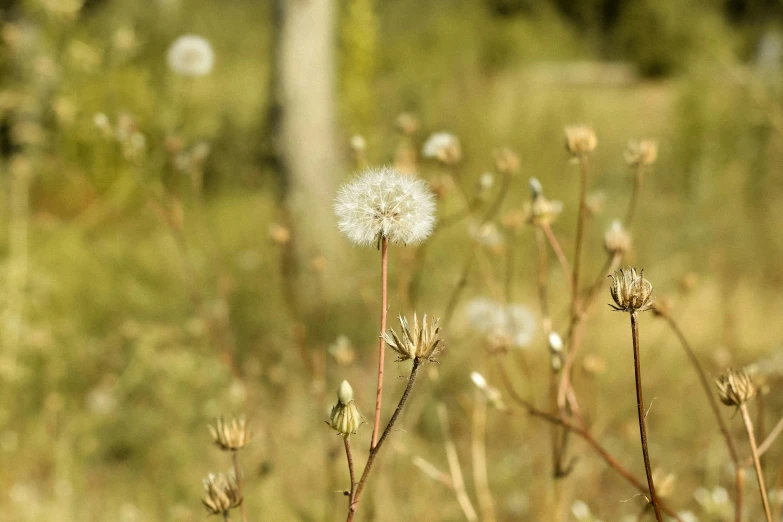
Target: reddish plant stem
point(584, 434)
point(349, 457)
point(705, 384)
point(381, 342)
point(557, 249)
point(374, 451)
point(642, 415)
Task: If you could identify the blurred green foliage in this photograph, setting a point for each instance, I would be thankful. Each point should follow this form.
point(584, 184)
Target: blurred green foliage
point(123, 288)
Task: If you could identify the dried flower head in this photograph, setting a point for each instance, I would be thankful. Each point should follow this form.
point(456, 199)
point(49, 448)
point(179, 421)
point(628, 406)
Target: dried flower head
point(407, 123)
point(506, 161)
point(345, 418)
point(422, 343)
point(735, 387)
point(444, 147)
point(617, 240)
point(631, 291)
point(541, 211)
point(221, 494)
point(580, 140)
point(191, 55)
point(232, 435)
point(641, 153)
point(382, 203)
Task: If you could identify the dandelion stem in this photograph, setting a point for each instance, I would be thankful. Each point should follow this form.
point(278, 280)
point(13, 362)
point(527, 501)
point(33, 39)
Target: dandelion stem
point(642, 415)
point(756, 461)
point(238, 475)
point(375, 449)
point(381, 342)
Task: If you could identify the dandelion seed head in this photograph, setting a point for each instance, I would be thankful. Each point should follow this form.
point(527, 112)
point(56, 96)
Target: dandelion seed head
point(384, 203)
point(191, 55)
point(513, 322)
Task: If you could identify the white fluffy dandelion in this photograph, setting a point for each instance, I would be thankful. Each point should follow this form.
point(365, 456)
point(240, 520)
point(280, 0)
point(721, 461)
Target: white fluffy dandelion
point(444, 147)
point(382, 203)
point(514, 322)
point(191, 55)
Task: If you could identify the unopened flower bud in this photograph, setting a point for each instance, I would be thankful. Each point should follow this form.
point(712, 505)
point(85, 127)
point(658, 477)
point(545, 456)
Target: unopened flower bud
point(617, 240)
point(345, 418)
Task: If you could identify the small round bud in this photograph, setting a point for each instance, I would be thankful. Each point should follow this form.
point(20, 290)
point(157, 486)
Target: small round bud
point(631, 291)
point(345, 418)
point(617, 240)
point(536, 189)
point(735, 387)
point(555, 342)
point(344, 393)
point(478, 380)
point(486, 181)
point(580, 140)
point(358, 143)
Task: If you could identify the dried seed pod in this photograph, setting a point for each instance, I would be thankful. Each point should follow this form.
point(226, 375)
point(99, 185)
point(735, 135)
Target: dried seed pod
point(580, 140)
point(631, 291)
point(735, 387)
point(415, 343)
point(232, 435)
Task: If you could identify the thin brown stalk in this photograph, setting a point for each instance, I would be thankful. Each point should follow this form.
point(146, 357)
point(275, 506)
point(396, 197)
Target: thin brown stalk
point(706, 386)
point(764, 446)
point(375, 449)
point(461, 284)
point(637, 185)
point(238, 475)
point(349, 458)
point(756, 462)
point(455, 468)
point(584, 433)
point(556, 248)
point(381, 343)
point(580, 225)
point(642, 415)
point(479, 455)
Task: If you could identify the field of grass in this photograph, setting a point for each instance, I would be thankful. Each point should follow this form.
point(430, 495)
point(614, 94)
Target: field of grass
point(135, 312)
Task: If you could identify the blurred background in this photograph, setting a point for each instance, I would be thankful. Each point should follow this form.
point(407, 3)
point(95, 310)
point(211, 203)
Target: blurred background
point(170, 254)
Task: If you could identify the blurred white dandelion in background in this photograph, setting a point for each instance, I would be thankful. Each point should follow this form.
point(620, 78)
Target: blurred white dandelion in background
point(191, 55)
point(514, 322)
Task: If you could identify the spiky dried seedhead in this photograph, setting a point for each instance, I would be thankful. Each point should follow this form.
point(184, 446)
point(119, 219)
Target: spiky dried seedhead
point(617, 240)
point(641, 153)
point(382, 203)
point(444, 147)
point(580, 140)
point(422, 343)
point(631, 291)
point(230, 435)
point(345, 418)
point(735, 387)
point(221, 494)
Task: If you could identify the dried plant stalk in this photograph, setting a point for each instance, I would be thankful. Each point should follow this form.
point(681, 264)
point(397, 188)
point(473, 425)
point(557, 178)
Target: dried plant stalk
point(756, 462)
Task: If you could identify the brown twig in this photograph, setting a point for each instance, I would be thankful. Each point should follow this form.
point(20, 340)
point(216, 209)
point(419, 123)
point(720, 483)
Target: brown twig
point(756, 462)
point(637, 185)
point(705, 384)
point(557, 249)
point(642, 414)
point(381, 343)
point(376, 448)
point(580, 225)
point(584, 434)
point(349, 457)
